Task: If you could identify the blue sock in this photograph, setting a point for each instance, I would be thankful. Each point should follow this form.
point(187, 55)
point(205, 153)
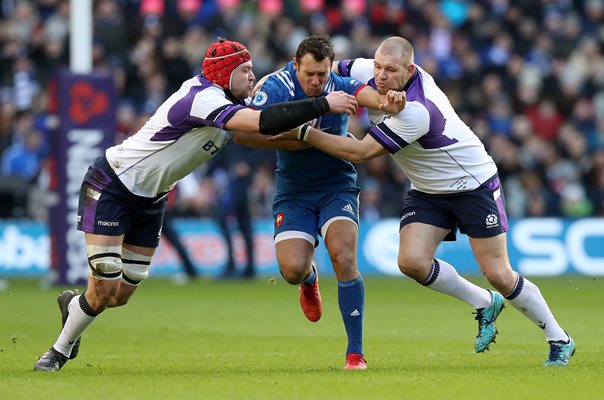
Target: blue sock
point(311, 278)
point(351, 298)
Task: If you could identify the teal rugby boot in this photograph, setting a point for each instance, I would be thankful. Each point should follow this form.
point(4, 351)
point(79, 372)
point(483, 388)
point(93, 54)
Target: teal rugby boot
point(486, 318)
point(560, 353)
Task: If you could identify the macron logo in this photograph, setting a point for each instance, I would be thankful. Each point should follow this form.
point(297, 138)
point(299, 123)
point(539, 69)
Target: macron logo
point(107, 223)
point(409, 214)
point(355, 313)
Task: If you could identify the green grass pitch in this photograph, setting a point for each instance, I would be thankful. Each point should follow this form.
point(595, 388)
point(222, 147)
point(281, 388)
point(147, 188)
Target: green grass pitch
point(249, 340)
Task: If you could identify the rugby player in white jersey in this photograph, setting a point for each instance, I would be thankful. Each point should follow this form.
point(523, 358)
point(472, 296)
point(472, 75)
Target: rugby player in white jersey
point(124, 193)
point(454, 185)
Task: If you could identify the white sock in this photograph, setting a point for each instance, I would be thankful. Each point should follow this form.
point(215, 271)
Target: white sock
point(445, 279)
point(527, 298)
point(76, 324)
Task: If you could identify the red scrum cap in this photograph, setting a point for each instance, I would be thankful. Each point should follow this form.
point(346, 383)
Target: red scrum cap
point(221, 59)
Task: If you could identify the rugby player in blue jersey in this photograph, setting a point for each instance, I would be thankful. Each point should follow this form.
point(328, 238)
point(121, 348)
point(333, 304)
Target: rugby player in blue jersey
point(454, 185)
point(124, 193)
point(316, 193)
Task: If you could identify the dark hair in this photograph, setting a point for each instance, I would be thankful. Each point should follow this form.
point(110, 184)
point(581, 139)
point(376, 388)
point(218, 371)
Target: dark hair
point(318, 45)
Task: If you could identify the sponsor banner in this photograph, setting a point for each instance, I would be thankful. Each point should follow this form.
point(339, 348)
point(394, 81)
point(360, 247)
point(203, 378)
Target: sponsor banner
point(86, 115)
point(24, 249)
point(537, 247)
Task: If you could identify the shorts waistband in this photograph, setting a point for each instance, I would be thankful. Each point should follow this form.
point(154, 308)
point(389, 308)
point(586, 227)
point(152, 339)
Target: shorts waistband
point(103, 164)
point(491, 183)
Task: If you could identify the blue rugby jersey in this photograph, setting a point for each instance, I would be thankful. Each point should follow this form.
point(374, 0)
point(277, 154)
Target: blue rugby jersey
point(309, 169)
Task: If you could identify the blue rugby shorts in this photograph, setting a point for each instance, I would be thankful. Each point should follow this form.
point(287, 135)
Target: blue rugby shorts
point(307, 213)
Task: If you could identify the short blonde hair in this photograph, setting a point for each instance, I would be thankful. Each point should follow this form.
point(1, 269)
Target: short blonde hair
point(397, 45)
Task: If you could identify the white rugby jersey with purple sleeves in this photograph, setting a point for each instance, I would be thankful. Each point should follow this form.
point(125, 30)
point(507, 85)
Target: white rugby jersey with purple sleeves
point(437, 151)
point(185, 131)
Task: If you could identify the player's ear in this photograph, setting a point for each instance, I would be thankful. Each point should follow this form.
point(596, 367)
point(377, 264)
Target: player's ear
point(410, 70)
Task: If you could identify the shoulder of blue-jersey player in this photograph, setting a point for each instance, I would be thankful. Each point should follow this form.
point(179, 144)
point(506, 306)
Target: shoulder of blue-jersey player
point(344, 83)
point(280, 86)
point(283, 85)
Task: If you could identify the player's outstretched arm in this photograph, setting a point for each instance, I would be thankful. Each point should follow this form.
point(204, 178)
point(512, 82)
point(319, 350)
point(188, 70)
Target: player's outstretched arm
point(260, 141)
point(392, 103)
point(348, 148)
point(351, 149)
point(281, 117)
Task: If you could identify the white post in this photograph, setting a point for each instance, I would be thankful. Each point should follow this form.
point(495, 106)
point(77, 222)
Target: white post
point(80, 24)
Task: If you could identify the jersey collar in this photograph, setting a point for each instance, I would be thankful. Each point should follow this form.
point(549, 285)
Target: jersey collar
point(411, 80)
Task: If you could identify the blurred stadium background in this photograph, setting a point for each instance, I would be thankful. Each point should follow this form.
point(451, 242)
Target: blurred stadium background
point(527, 76)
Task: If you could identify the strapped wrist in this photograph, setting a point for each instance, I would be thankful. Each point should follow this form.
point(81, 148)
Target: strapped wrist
point(303, 132)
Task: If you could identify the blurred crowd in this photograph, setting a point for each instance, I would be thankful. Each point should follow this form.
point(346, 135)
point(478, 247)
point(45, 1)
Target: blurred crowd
point(527, 76)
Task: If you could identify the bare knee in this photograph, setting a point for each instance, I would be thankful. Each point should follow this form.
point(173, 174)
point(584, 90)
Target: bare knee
point(294, 273)
point(500, 276)
point(294, 257)
point(415, 266)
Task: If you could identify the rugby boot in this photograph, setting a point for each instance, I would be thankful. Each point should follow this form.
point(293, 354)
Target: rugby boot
point(310, 298)
point(486, 318)
point(355, 361)
point(52, 360)
point(560, 353)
